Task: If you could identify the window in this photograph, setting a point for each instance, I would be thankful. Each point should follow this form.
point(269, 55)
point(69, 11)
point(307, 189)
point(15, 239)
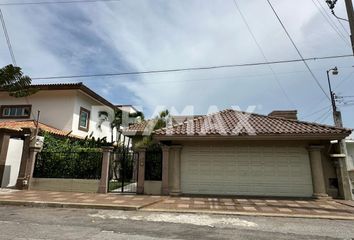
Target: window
point(15, 111)
point(84, 120)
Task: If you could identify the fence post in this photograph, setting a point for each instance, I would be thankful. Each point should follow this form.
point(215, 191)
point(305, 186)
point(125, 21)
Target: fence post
point(165, 169)
point(141, 171)
point(33, 151)
point(103, 187)
point(4, 145)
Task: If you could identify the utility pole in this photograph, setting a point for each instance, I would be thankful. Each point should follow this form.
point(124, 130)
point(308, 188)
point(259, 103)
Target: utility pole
point(337, 116)
point(341, 162)
point(350, 12)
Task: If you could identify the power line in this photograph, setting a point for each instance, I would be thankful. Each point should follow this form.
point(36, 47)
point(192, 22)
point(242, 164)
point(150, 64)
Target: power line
point(345, 30)
point(323, 116)
point(297, 49)
point(317, 111)
point(330, 21)
point(7, 37)
point(262, 52)
point(56, 2)
point(192, 68)
point(233, 77)
point(345, 80)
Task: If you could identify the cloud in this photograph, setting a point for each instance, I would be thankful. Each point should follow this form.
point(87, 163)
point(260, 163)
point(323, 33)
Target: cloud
point(145, 35)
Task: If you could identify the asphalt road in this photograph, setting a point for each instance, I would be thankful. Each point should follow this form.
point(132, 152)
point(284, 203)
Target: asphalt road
point(66, 224)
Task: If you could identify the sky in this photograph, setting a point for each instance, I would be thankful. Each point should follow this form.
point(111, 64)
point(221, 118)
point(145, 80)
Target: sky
point(143, 35)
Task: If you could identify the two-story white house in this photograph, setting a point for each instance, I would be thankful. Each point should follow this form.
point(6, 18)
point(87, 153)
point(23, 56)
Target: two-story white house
point(71, 107)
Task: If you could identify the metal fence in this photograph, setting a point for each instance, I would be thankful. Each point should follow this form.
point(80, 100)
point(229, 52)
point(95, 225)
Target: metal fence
point(73, 165)
point(123, 171)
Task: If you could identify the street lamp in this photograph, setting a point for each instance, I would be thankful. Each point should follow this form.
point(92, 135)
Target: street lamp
point(334, 72)
point(336, 114)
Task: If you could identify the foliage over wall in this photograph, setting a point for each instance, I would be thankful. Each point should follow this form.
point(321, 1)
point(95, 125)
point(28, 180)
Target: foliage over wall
point(69, 158)
point(55, 144)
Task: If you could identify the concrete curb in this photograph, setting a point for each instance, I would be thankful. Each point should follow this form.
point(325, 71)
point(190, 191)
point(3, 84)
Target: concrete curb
point(255, 214)
point(346, 203)
point(68, 205)
point(150, 204)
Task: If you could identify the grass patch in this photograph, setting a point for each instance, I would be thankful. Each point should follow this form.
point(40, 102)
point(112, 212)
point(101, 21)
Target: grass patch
point(113, 185)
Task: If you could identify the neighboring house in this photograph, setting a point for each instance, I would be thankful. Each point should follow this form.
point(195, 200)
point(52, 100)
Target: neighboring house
point(69, 107)
point(230, 153)
point(127, 108)
point(66, 110)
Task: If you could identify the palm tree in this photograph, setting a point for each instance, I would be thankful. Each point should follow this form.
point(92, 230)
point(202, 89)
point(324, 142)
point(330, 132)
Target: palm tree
point(116, 123)
point(162, 119)
point(13, 81)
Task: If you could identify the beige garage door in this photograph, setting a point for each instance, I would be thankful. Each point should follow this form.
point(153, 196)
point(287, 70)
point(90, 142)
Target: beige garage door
point(247, 170)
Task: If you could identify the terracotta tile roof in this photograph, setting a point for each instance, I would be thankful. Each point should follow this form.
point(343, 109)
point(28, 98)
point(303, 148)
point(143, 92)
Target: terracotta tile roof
point(235, 123)
point(146, 125)
point(31, 124)
point(137, 128)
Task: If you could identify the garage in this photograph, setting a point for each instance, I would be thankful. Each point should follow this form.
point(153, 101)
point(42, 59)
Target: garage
point(246, 170)
point(238, 153)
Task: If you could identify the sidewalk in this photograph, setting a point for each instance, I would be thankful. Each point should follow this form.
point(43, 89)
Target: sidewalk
point(273, 207)
point(76, 200)
point(257, 207)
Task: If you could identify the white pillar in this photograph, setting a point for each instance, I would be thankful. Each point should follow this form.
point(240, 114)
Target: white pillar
point(165, 169)
point(106, 158)
point(176, 175)
point(319, 186)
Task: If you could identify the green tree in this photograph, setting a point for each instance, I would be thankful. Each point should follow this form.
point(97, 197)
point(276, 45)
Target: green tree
point(13, 81)
point(160, 122)
point(162, 119)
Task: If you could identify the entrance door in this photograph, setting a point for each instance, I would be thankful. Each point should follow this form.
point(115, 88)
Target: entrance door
point(123, 171)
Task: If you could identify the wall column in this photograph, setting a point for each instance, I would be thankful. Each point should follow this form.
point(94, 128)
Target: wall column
point(176, 187)
point(22, 172)
point(318, 182)
point(165, 169)
point(106, 159)
point(344, 182)
point(141, 171)
point(344, 174)
point(33, 151)
point(4, 145)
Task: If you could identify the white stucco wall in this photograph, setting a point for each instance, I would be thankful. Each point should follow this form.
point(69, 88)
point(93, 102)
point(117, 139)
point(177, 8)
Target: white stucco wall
point(82, 100)
point(56, 107)
point(61, 109)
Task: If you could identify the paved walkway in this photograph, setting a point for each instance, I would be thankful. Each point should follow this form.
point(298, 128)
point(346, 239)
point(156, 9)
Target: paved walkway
point(256, 206)
point(82, 200)
point(235, 205)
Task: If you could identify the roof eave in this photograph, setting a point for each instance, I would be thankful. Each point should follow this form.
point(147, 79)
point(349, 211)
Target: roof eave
point(257, 137)
point(72, 86)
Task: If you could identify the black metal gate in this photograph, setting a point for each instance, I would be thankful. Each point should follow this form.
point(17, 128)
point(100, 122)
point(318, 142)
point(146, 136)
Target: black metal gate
point(123, 171)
